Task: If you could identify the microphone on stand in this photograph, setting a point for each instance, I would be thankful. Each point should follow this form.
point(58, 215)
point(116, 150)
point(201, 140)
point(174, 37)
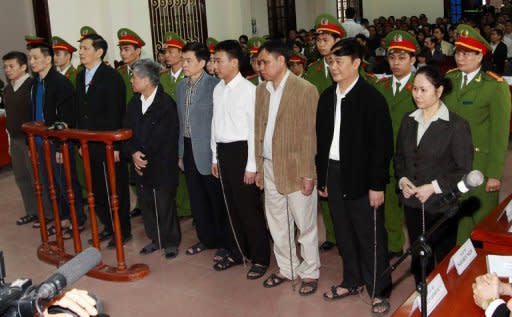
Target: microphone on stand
point(469, 182)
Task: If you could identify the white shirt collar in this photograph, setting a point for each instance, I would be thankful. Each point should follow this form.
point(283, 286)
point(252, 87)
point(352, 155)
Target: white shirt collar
point(63, 72)
point(147, 102)
point(403, 81)
point(471, 75)
point(94, 68)
point(441, 113)
point(270, 84)
point(176, 74)
point(233, 81)
point(340, 94)
point(16, 84)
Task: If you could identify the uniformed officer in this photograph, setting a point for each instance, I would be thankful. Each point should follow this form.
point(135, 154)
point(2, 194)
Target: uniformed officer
point(169, 80)
point(130, 48)
point(173, 44)
point(210, 66)
point(402, 48)
point(329, 31)
point(253, 45)
point(297, 63)
point(483, 99)
point(63, 52)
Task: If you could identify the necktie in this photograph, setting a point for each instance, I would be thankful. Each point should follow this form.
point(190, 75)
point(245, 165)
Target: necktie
point(397, 88)
point(465, 81)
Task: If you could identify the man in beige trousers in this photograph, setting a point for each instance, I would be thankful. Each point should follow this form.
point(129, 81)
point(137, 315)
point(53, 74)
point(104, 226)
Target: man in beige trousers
point(285, 148)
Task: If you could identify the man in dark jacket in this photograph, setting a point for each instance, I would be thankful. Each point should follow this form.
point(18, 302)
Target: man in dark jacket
point(101, 101)
point(354, 148)
point(53, 101)
point(153, 149)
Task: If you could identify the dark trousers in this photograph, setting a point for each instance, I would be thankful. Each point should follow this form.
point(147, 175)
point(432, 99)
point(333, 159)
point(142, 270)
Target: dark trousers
point(206, 202)
point(441, 241)
point(22, 169)
point(59, 178)
point(159, 213)
point(102, 192)
point(360, 239)
point(243, 204)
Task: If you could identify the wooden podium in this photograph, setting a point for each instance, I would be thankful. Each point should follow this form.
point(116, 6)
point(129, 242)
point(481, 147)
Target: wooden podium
point(459, 301)
point(493, 233)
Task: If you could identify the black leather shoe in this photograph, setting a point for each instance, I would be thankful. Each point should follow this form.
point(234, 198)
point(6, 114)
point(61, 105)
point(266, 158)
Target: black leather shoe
point(103, 236)
point(393, 254)
point(150, 248)
point(327, 245)
point(135, 212)
point(112, 243)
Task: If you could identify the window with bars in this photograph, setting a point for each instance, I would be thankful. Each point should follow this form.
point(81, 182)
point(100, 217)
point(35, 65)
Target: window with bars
point(341, 5)
point(455, 10)
point(184, 17)
point(281, 17)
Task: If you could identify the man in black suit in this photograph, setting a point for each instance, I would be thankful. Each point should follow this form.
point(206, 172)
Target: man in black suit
point(499, 51)
point(53, 101)
point(354, 149)
point(100, 94)
point(153, 149)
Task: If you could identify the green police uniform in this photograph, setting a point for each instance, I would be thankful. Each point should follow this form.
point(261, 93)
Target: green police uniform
point(128, 37)
point(399, 104)
point(485, 103)
point(318, 75)
point(60, 44)
point(169, 84)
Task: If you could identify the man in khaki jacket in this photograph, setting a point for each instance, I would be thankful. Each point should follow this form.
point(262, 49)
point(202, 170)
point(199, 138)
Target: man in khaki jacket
point(285, 148)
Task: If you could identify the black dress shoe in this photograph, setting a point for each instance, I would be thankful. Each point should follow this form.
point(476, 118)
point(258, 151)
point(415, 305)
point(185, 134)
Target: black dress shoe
point(393, 254)
point(327, 245)
point(135, 212)
point(112, 243)
point(150, 248)
point(103, 236)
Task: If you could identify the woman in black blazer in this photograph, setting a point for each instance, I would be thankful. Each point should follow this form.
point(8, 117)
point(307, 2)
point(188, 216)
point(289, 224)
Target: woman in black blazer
point(433, 152)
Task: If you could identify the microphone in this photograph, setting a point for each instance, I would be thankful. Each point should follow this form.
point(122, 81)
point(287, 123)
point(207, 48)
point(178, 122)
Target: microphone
point(69, 273)
point(469, 182)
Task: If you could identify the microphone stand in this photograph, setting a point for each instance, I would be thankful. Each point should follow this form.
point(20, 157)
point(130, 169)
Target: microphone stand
point(421, 248)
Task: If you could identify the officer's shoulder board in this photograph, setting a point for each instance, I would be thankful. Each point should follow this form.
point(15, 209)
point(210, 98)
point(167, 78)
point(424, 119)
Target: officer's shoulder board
point(314, 63)
point(452, 70)
point(494, 76)
point(382, 80)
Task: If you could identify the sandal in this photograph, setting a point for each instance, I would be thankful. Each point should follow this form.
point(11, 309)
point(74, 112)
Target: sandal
point(381, 307)
point(333, 294)
point(195, 249)
point(220, 254)
point(51, 231)
point(226, 263)
point(308, 287)
point(274, 280)
point(256, 271)
point(37, 224)
point(26, 219)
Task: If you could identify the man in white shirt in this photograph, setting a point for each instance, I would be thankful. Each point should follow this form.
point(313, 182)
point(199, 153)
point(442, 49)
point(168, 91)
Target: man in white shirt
point(285, 148)
point(352, 27)
point(234, 162)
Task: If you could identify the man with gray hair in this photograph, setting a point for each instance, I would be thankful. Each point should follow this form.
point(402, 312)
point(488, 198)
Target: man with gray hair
point(153, 149)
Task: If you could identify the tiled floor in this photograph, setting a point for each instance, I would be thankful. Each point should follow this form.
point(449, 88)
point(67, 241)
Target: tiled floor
point(187, 285)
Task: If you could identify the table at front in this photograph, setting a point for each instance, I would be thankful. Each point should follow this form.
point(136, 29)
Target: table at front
point(493, 233)
point(459, 300)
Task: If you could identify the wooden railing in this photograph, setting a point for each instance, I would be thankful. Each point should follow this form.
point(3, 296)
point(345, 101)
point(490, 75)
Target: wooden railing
point(53, 252)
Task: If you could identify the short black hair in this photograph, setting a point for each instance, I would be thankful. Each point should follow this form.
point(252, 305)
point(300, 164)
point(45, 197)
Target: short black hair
point(277, 48)
point(244, 38)
point(232, 49)
point(499, 32)
point(21, 58)
point(46, 49)
point(199, 49)
point(350, 13)
point(348, 47)
point(97, 42)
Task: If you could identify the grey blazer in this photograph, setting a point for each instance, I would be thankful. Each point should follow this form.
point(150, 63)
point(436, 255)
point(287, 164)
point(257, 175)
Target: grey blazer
point(200, 117)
